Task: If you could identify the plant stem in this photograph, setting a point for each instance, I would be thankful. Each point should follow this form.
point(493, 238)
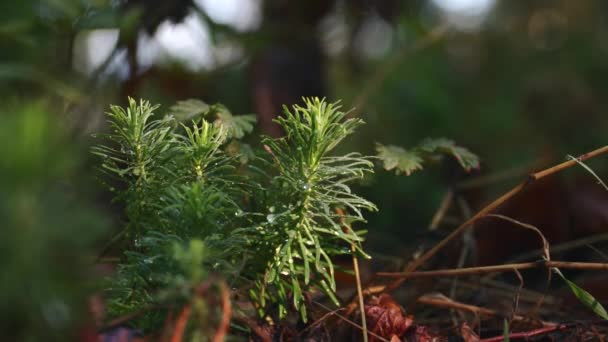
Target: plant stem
point(222, 331)
point(180, 324)
point(353, 252)
point(359, 292)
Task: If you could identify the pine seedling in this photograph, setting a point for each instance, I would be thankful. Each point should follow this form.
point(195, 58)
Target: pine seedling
point(280, 224)
point(177, 185)
point(138, 153)
point(300, 230)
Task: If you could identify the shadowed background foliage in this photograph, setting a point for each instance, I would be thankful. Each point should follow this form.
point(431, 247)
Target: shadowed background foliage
point(513, 81)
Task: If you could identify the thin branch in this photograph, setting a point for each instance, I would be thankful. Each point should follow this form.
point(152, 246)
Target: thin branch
point(444, 302)
point(569, 163)
point(595, 266)
point(528, 334)
point(562, 247)
point(501, 289)
point(414, 265)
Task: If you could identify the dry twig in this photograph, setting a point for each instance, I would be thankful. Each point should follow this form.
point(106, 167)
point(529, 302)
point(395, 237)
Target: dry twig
point(445, 302)
point(487, 210)
point(596, 266)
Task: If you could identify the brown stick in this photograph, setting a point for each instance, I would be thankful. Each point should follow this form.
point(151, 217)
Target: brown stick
point(495, 268)
point(488, 209)
point(569, 163)
point(528, 334)
point(445, 302)
point(347, 229)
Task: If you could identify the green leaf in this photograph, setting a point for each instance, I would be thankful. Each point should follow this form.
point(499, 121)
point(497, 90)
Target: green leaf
point(409, 161)
point(584, 296)
point(399, 159)
point(189, 109)
point(465, 158)
point(237, 126)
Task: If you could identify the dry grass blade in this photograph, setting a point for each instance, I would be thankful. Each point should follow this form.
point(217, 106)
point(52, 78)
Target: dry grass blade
point(546, 253)
point(599, 180)
point(545, 249)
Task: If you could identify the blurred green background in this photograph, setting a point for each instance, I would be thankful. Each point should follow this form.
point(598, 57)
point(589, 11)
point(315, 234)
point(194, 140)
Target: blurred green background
point(513, 81)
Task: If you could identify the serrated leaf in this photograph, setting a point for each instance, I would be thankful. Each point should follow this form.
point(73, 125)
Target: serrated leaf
point(237, 126)
point(240, 150)
point(465, 158)
point(584, 296)
point(189, 109)
point(399, 159)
